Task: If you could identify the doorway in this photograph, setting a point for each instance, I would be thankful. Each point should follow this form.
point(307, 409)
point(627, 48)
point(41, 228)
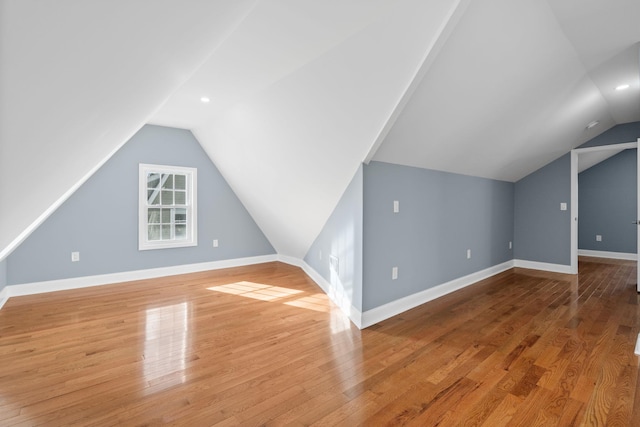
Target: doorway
point(605, 151)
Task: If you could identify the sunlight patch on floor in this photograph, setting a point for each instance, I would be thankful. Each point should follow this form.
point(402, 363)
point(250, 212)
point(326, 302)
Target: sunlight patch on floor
point(318, 302)
point(262, 292)
point(257, 291)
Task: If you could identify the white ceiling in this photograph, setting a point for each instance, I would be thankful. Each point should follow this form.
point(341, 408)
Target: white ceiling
point(303, 91)
point(516, 85)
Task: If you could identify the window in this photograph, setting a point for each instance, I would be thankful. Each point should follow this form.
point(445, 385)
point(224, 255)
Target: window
point(167, 207)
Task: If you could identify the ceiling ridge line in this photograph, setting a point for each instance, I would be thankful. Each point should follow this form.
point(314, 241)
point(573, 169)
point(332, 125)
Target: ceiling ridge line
point(430, 56)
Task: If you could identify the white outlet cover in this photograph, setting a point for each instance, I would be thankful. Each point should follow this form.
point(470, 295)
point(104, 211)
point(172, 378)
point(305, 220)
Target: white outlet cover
point(334, 263)
point(396, 206)
point(468, 253)
point(75, 256)
point(394, 273)
point(215, 243)
point(563, 206)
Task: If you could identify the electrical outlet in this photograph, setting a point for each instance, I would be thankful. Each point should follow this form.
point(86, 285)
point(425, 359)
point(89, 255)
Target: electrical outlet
point(598, 238)
point(468, 253)
point(510, 245)
point(75, 256)
point(563, 206)
point(394, 273)
point(215, 243)
point(396, 206)
point(334, 263)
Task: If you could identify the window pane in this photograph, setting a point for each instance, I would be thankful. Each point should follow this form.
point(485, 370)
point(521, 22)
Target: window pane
point(153, 197)
point(181, 232)
point(168, 212)
point(181, 215)
point(166, 216)
point(153, 216)
point(167, 197)
point(167, 180)
point(166, 232)
point(181, 197)
point(153, 179)
point(153, 232)
point(180, 182)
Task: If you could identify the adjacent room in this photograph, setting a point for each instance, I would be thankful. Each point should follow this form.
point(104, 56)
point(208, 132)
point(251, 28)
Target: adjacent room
point(294, 212)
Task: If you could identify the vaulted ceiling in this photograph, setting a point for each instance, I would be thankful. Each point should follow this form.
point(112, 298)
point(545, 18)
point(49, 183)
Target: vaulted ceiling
point(302, 91)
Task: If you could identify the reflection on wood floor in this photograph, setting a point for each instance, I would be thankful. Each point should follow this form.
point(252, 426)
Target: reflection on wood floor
point(263, 345)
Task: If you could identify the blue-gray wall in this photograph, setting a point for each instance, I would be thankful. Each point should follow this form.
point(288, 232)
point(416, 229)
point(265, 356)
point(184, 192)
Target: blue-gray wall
point(607, 204)
point(100, 220)
point(441, 216)
point(342, 237)
point(619, 134)
point(542, 231)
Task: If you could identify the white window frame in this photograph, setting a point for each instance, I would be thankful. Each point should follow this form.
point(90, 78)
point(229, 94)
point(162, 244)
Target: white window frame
point(191, 205)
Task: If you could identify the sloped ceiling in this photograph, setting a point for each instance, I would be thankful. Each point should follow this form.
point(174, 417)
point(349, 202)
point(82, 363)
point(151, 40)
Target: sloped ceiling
point(302, 91)
point(78, 78)
point(299, 92)
point(516, 85)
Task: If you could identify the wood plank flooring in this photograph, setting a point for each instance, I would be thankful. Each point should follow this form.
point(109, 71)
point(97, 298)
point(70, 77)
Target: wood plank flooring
point(262, 345)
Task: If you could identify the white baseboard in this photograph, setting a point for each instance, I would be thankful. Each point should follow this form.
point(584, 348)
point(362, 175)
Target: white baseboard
point(534, 265)
point(371, 317)
point(335, 292)
point(4, 296)
point(607, 254)
point(291, 260)
point(127, 276)
point(393, 308)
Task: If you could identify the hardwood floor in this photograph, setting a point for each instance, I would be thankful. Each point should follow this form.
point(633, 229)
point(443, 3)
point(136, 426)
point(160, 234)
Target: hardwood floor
point(262, 345)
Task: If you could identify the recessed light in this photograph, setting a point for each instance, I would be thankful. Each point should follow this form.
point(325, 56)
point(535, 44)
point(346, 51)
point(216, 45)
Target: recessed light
point(592, 124)
point(204, 100)
point(622, 87)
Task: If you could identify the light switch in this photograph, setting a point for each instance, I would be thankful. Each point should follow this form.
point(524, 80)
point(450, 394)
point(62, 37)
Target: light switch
point(396, 206)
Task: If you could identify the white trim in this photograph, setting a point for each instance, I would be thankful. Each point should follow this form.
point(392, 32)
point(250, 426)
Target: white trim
point(607, 254)
point(545, 266)
point(574, 196)
point(637, 350)
point(574, 212)
point(621, 146)
point(127, 276)
point(431, 53)
point(297, 262)
point(4, 296)
point(191, 206)
point(393, 308)
point(637, 210)
point(335, 292)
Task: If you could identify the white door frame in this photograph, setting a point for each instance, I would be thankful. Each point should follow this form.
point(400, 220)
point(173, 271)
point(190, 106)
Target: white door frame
point(574, 196)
